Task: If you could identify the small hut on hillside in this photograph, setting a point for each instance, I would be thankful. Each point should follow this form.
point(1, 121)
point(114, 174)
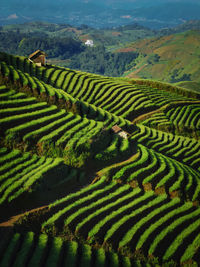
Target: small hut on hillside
point(117, 130)
point(38, 57)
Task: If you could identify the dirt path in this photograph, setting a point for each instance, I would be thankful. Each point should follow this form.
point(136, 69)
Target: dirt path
point(115, 165)
point(10, 222)
point(135, 72)
point(162, 109)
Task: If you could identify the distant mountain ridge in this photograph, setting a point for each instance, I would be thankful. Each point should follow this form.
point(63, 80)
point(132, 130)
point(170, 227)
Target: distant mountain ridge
point(188, 25)
point(100, 14)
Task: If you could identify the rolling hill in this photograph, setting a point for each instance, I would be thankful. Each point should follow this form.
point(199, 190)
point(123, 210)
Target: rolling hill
point(95, 170)
point(172, 58)
point(170, 55)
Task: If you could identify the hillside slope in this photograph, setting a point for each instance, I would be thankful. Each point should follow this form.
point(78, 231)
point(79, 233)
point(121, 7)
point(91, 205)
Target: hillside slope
point(110, 163)
point(172, 58)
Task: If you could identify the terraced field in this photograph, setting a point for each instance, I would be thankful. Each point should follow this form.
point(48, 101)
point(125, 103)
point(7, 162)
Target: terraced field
point(31, 249)
point(96, 171)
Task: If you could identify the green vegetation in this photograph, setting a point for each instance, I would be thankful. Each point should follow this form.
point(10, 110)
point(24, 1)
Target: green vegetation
point(171, 58)
point(99, 171)
point(70, 50)
point(57, 251)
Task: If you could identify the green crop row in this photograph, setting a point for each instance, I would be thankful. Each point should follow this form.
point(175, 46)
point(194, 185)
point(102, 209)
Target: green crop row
point(113, 104)
point(165, 89)
point(58, 216)
point(186, 116)
point(127, 195)
point(132, 231)
point(32, 250)
point(117, 226)
point(161, 97)
point(115, 146)
point(88, 89)
point(127, 168)
point(134, 200)
point(45, 125)
point(160, 171)
point(38, 87)
point(188, 221)
point(114, 215)
point(180, 239)
point(156, 217)
point(181, 148)
point(100, 203)
point(157, 120)
point(61, 98)
point(19, 172)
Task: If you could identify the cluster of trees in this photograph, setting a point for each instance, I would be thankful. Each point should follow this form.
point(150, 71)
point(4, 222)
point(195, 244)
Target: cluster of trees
point(98, 60)
point(54, 47)
point(176, 77)
point(14, 42)
point(90, 59)
point(10, 40)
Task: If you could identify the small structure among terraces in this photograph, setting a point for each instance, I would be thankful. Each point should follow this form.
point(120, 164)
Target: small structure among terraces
point(38, 57)
point(117, 130)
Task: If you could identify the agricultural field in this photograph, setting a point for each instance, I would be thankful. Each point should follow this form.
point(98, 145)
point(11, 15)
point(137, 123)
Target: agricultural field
point(96, 171)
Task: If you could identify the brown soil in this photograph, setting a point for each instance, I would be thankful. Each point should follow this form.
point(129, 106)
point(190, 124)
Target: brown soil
point(134, 73)
point(147, 187)
point(12, 220)
point(160, 190)
point(106, 170)
point(174, 194)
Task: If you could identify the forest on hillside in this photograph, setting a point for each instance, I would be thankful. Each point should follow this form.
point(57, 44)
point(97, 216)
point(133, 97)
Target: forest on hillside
point(73, 51)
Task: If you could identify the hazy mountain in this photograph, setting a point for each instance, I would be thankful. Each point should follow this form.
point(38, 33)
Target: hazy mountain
point(155, 14)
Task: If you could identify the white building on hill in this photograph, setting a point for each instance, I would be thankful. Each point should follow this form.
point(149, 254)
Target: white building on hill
point(89, 43)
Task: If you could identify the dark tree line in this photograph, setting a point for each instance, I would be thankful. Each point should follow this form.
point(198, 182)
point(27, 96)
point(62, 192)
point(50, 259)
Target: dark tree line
point(97, 60)
point(24, 44)
point(90, 59)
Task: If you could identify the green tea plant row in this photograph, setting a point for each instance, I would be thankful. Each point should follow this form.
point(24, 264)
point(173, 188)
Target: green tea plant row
point(151, 92)
point(160, 171)
point(161, 97)
point(97, 93)
point(186, 116)
point(31, 249)
point(19, 172)
point(167, 87)
point(89, 87)
point(158, 120)
point(62, 99)
point(52, 130)
point(108, 95)
point(122, 99)
point(123, 218)
point(37, 86)
point(181, 148)
point(26, 120)
point(117, 146)
point(83, 85)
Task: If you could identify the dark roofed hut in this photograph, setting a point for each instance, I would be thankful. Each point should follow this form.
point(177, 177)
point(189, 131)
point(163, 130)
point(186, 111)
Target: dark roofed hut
point(38, 57)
